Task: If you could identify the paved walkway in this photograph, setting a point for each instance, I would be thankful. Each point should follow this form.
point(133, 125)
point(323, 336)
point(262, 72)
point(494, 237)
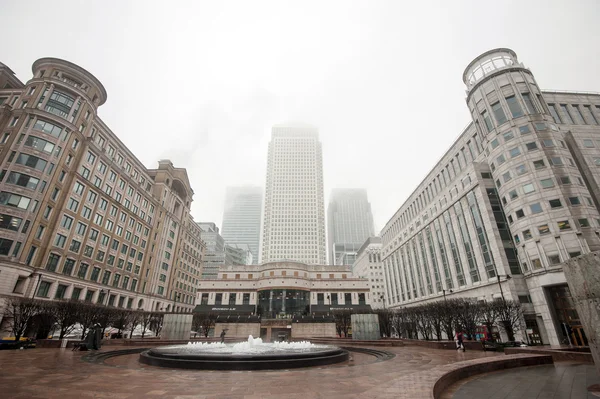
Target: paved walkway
point(558, 381)
point(56, 373)
point(60, 373)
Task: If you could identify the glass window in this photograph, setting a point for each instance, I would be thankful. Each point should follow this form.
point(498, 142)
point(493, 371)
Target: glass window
point(532, 146)
point(528, 188)
point(564, 225)
point(588, 143)
point(487, 121)
point(546, 183)
point(514, 152)
point(574, 201)
point(527, 234)
point(566, 114)
point(499, 113)
point(521, 169)
point(514, 106)
point(524, 129)
point(557, 161)
point(554, 113)
point(535, 208)
point(519, 213)
point(528, 103)
point(555, 203)
point(543, 229)
point(548, 143)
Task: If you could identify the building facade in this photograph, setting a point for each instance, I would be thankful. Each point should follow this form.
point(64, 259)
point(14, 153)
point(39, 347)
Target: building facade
point(349, 224)
point(237, 254)
point(294, 216)
point(214, 255)
point(512, 199)
point(368, 265)
point(242, 218)
point(81, 216)
point(283, 290)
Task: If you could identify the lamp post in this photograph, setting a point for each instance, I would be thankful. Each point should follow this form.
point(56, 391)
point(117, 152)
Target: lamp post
point(508, 277)
point(444, 292)
point(37, 284)
point(176, 297)
point(107, 296)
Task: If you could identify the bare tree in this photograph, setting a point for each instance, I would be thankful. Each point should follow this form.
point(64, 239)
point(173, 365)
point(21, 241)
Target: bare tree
point(207, 323)
point(18, 312)
point(490, 311)
point(450, 317)
point(343, 321)
point(145, 320)
point(511, 318)
point(156, 322)
point(203, 323)
point(88, 316)
point(436, 311)
point(105, 316)
point(120, 320)
point(135, 317)
point(468, 316)
point(385, 322)
point(67, 315)
point(422, 320)
point(44, 321)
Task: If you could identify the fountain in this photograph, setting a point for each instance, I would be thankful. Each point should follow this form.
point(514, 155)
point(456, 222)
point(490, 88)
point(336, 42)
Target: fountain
point(252, 354)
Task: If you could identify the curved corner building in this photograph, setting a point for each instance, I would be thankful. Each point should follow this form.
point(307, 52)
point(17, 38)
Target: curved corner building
point(513, 198)
point(80, 216)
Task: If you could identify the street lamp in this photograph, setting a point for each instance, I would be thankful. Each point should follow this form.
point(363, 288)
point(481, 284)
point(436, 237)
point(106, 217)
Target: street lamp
point(37, 284)
point(176, 297)
point(444, 292)
point(508, 277)
point(107, 296)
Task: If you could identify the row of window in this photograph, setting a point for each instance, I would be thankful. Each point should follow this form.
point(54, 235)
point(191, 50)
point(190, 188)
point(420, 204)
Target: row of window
point(573, 114)
point(68, 269)
point(544, 229)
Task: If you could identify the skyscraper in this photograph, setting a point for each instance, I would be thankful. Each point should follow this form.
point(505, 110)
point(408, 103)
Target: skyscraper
point(241, 218)
point(349, 224)
point(294, 217)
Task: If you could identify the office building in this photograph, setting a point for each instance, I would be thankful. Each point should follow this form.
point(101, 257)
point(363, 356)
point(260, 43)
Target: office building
point(80, 216)
point(368, 265)
point(513, 198)
point(294, 216)
point(214, 255)
point(242, 218)
point(349, 224)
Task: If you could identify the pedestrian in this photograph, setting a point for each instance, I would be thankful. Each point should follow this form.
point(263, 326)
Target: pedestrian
point(459, 341)
point(223, 336)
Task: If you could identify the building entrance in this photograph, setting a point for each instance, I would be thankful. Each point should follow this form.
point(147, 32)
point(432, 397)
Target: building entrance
point(567, 317)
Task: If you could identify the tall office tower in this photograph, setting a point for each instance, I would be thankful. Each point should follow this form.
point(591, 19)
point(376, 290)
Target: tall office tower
point(241, 218)
point(294, 217)
point(349, 224)
point(214, 255)
point(513, 198)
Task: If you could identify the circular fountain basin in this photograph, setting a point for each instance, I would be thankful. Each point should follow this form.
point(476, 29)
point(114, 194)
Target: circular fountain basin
point(250, 355)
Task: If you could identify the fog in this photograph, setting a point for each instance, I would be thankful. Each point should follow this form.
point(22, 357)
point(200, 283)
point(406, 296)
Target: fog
point(201, 83)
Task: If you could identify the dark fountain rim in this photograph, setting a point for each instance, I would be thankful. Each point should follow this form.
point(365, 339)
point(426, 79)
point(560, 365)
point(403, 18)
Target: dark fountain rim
point(255, 361)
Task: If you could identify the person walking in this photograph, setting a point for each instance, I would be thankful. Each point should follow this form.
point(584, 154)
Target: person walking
point(459, 341)
point(223, 336)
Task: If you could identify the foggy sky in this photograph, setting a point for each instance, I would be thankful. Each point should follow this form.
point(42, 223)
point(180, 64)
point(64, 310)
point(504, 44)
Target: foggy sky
point(201, 83)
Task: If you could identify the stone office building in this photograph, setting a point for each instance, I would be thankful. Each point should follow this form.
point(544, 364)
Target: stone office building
point(80, 216)
point(513, 198)
point(283, 290)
